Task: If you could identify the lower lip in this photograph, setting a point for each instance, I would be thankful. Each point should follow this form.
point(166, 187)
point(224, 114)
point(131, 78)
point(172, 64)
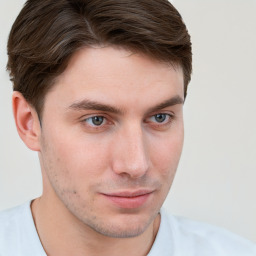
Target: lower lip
point(129, 202)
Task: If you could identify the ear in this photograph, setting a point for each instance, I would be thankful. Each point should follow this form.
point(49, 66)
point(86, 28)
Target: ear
point(27, 121)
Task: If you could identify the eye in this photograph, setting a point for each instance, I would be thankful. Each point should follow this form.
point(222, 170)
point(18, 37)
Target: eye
point(95, 120)
point(160, 118)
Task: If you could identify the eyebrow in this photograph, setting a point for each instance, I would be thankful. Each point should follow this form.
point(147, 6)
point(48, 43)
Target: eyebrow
point(93, 105)
point(176, 100)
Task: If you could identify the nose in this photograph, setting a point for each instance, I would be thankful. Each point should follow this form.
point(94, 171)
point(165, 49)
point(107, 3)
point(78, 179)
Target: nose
point(130, 152)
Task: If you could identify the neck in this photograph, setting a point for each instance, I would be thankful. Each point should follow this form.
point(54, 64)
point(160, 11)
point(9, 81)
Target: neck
point(61, 233)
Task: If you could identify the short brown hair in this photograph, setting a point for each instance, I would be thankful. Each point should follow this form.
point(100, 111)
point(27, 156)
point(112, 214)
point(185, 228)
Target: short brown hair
point(48, 32)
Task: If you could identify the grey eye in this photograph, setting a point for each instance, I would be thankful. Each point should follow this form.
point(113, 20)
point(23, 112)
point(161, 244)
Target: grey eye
point(160, 118)
point(96, 120)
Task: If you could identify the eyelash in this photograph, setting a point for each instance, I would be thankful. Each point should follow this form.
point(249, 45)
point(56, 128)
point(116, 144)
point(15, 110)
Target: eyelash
point(168, 118)
point(89, 122)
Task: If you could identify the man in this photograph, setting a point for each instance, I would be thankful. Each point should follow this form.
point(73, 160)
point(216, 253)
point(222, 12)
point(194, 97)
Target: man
point(99, 88)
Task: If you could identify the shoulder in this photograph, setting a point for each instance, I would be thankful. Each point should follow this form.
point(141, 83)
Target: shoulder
point(18, 234)
point(197, 238)
point(11, 218)
point(10, 222)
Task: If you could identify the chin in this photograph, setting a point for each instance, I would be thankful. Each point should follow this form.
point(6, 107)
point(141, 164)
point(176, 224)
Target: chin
point(125, 230)
point(121, 226)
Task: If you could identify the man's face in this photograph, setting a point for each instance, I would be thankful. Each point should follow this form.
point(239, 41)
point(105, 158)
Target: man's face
point(111, 139)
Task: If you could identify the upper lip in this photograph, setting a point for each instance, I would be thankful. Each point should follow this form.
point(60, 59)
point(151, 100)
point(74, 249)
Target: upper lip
point(135, 193)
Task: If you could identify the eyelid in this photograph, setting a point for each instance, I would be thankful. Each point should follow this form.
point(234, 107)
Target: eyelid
point(170, 114)
point(87, 116)
point(84, 120)
point(94, 125)
point(170, 118)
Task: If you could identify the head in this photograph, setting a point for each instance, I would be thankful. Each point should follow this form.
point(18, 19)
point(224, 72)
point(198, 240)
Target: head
point(108, 80)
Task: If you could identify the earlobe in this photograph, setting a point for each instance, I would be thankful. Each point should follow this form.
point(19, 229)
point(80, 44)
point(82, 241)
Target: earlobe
point(27, 122)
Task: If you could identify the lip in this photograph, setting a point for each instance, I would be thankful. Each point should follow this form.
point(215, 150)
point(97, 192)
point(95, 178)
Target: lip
point(129, 199)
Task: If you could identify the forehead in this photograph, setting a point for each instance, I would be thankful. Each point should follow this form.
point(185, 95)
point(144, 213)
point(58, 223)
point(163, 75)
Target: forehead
point(117, 76)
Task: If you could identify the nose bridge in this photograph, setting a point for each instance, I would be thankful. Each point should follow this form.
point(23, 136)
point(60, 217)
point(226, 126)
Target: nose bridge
point(131, 152)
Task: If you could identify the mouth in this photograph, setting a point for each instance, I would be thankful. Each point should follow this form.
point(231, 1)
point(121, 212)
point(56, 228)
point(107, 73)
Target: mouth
point(129, 199)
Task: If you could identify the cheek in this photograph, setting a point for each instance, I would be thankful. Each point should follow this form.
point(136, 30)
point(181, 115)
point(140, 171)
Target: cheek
point(75, 159)
point(166, 155)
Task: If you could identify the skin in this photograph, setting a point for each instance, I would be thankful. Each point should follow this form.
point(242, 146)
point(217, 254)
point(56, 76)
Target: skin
point(132, 147)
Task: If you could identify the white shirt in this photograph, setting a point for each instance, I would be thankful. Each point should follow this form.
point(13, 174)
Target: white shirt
point(176, 237)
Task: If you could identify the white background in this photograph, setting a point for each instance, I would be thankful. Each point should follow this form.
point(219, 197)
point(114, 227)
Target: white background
point(216, 179)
